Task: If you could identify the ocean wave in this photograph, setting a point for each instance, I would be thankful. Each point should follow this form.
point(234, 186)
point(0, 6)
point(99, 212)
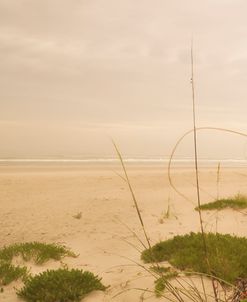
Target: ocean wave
point(241, 162)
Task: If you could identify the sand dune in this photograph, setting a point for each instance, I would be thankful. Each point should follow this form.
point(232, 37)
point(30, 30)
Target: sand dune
point(38, 202)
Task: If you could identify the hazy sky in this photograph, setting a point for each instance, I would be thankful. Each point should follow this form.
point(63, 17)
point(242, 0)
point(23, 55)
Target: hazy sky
point(75, 73)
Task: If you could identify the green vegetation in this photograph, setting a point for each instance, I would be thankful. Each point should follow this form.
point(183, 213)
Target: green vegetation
point(160, 284)
point(236, 202)
point(160, 269)
point(61, 285)
point(9, 273)
point(227, 255)
point(39, 252)
point(166, 273)
point(36, 251)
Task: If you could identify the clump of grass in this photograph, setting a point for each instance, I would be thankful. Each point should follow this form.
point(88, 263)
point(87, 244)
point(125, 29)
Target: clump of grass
point(165, 273)
point(60, 285)
point(36, 251)
point(236, 202)
point(10, 273)
point(161, 283)
point(227, 255)
point(160, 269)
point(166, 214)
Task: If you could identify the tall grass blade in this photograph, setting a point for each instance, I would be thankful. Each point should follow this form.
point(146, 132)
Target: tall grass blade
point(195, 148)
point(174, 149)
point(132, 194)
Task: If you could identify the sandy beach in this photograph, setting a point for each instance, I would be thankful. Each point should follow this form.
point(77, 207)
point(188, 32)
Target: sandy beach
point(39, 202)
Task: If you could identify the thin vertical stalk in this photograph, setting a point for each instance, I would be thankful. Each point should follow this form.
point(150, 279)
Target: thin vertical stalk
point(218, 180)
point(195, 150)
point(218, 195)
point(132, 194)
point(197, 174)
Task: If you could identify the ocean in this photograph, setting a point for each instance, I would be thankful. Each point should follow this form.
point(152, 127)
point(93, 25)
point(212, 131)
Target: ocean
point(155, 161)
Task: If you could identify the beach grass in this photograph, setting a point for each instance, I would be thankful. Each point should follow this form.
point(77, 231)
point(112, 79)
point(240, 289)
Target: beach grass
point(60, 285)
point(165, 274)
point(29, 251)
point(226, 258)
point(10, 273)
point(52, 285)
point(36, 251)
point(236, 202)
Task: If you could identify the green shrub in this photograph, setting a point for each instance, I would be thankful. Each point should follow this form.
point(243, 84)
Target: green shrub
point(236, 202)
point(227, 255)
point(160, 269)
point(61, 285)
point(9, 273)
point(160, 283)
point(37, 251)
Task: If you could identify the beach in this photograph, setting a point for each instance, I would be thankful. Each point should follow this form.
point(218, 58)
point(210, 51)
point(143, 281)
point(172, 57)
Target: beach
point(88, 207)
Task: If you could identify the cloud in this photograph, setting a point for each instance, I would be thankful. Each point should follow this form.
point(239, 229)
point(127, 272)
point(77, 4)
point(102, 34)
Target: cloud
point(127, 63)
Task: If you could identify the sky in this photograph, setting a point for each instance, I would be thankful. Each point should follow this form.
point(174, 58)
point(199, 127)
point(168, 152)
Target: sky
point(76, 74)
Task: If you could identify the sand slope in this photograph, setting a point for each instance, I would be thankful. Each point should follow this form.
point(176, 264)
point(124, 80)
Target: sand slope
point(38, 202)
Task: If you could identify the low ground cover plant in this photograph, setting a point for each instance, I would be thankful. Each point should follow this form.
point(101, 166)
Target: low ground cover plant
point(36, 251)
point(236, 202)
point(61, 285)
point(226, 254)
point(10, 273)
point(165, 274)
